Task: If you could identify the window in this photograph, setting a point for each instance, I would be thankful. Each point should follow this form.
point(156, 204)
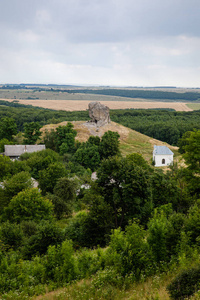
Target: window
point(163, 161)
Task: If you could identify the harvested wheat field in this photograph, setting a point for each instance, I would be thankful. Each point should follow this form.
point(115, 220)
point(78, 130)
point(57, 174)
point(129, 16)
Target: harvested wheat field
point(76, 105)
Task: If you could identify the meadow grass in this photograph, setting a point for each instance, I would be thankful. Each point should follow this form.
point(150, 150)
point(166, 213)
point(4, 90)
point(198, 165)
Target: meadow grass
point(194, 106)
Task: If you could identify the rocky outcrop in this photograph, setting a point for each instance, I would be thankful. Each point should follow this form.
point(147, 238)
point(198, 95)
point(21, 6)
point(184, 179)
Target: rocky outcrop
point(99, 113)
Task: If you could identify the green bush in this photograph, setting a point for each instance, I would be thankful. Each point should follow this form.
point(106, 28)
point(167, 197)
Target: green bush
point(46, 234)
point(185, 284)
point(11, 236)
point(28, 205)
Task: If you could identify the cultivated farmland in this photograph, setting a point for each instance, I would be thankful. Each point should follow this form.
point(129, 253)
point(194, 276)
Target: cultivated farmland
point(77, 105)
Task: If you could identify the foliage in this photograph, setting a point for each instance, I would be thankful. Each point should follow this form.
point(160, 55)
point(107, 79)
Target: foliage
point(8, 128)
point(164, 233)
point(183, 141)
point(31, 133)
point(109, 145)
point(128, 251)
point(11, 236)
point(192, 151)
point(164, 189)
point(62, 139)
point(99, 221)
point(17, 183)
point(192, 226)
point(141, 93)
point(4, 142)
point(65, 193)
point(167, 126)
point(125, 187)
point(185, 284)
point(5, 166)
point(46, 234)
point(28, 205)
point(76, 229)
point(88, 156)
point(48, 177)
point(39, 160)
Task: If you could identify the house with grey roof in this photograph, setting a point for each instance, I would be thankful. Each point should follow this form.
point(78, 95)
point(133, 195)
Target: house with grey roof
point(14, 151)
point(162, 156)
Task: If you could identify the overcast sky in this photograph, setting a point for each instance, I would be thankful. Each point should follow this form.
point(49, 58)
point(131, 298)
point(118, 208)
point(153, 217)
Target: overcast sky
point(102, 42)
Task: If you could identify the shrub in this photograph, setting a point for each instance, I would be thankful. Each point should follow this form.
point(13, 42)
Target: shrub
point(28, 205)
point(185, 284)
point(46, 234)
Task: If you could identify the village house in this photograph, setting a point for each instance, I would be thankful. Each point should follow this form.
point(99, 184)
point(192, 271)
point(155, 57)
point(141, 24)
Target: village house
point(162, 156)
point(14, 151)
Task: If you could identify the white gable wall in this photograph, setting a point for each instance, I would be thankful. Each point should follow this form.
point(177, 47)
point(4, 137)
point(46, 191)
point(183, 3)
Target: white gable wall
point(158, 159)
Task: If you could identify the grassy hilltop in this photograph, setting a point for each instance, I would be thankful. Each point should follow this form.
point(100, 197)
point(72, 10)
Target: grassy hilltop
point(131, 141)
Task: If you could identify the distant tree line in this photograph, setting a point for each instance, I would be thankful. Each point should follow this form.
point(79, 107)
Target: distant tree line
point(146, 94)
point(127, 93)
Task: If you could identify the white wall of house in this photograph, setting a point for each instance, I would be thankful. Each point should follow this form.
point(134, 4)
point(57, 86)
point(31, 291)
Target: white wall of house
point(163, 160)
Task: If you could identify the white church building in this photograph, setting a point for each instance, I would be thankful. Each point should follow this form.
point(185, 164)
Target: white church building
point(162, 156)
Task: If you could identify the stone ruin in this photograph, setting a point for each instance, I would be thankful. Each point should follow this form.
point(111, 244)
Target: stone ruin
point(99, 114)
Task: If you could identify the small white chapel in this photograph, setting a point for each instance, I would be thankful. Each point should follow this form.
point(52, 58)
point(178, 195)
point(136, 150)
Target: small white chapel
point(162, 156)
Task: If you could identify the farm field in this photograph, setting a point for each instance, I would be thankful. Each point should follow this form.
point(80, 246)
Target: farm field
point(77, 105)
point(194, 106)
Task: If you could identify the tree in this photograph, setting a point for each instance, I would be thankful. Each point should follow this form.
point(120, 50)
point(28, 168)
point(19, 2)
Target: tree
point(31, 132)
point(8, 128)
point(65, 134)
point(16, 184)
point(192, 159)
point(192, 151)
point(126, 188)
point(39, 160)
point(28, 205)
point(62, 139)
point(5, 166)
point(11, 235)
point(88, 156)
point(164, 232)
point(109, 145)
point(49, 177)
point(183, 141)
point(4, 142)
point(64, 195)
point(47, 233)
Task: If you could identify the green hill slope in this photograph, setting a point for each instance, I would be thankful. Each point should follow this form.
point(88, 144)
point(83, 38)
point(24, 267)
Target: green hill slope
point(131, 141)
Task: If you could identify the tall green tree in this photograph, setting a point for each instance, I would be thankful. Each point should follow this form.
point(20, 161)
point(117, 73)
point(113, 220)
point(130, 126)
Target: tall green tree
point(32, 132)
point(8, 128)
point(88, 156)
point(126, 188)
point(62, 139)
point(29, 205)
point(109, 145)
point(64, 196)
point(14, 185)
point(49, 177)
point(192, 159)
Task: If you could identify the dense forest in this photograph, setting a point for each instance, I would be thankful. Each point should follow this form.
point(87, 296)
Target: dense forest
point(145, 94)
point(133, 222)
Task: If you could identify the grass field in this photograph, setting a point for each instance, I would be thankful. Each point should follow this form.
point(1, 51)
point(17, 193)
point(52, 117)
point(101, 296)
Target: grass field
point(194, 106)
point(77, 105)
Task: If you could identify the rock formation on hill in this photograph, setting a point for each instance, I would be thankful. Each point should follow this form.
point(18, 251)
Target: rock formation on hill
point(99, 113)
